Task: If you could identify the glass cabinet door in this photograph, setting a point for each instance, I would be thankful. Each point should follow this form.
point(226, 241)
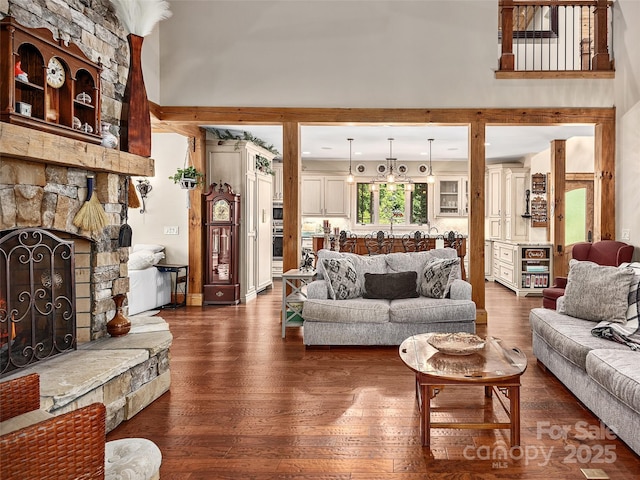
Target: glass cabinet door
point(448, 197)
point(219, 271)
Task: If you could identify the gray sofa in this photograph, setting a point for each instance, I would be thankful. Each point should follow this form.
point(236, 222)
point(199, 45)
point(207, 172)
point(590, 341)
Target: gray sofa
point(601, 373)
point(365, 321)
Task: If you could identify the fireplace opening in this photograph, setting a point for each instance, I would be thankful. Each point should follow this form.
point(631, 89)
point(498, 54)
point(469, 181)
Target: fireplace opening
point(37, 297)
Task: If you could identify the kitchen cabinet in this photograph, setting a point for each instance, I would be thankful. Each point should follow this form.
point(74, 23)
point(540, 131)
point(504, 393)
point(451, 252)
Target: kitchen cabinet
point(488, 260)
point(325, 196)
point(506, 202)
point(452, 196)
point(234, 163)
point(278, 182)
point(523, 267)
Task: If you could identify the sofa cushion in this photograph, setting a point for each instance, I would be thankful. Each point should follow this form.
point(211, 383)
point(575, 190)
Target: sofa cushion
point(595, 292)
point(437, 276)
point(390, 285)
point(569, 336)
point(342, 277)
point(406, 262)
point(356, 310)
point(617, 372)
point(431, 310)
point(321, 255)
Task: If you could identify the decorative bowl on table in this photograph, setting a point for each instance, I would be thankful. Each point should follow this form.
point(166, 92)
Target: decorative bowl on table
point(460, 343)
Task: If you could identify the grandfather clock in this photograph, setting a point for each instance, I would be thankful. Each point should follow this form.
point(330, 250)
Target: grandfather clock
point(222, 240)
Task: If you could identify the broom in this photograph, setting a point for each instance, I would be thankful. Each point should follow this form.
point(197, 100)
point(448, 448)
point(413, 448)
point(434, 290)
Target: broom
point(91, 215)
point(134, 201)
point(124, 237)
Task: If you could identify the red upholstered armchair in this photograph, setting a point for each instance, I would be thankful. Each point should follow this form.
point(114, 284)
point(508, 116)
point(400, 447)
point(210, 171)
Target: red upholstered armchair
point(604, 252)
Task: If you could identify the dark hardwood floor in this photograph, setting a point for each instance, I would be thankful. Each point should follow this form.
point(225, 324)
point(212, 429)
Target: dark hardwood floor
point(246, 404)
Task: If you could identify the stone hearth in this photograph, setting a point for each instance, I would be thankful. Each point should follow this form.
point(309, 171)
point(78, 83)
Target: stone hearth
point(43, 185)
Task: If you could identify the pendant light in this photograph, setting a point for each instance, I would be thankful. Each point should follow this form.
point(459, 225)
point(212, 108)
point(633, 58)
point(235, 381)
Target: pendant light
point(391, 176)
point(431, 177)
point(350, 178)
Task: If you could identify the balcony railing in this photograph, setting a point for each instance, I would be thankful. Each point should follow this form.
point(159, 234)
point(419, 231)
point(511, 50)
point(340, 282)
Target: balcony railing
point(555, 37)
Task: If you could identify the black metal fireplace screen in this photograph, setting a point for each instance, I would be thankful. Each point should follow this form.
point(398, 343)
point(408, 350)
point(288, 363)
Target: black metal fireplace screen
point(37, 297)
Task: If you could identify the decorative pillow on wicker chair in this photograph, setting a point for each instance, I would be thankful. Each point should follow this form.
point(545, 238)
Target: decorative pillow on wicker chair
point(342, 278)
point(595, 292)
point(390, 286)
point(437, 277)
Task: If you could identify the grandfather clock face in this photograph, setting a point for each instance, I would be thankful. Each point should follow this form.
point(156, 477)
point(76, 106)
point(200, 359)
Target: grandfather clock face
point(221, 211)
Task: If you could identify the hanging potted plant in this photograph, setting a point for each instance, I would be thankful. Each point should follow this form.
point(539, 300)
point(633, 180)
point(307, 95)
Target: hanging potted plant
point(188, 177)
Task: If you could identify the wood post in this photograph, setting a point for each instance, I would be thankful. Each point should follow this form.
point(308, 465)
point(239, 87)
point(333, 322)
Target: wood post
point(507, 57)
point(292, 223)
point(601, 60)
point(558, 224)
point(475, 248)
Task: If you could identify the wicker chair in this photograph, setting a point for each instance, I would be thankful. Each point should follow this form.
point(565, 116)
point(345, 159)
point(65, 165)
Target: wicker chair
point(415, 242)
point(35, 444)
point(378, 243)
point(68, 446)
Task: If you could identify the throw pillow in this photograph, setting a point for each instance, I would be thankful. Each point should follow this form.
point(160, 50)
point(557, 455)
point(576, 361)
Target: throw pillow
point(390, 286)
point(633, 310)
point(152, 247)
point(437, 277)
point(597, 293)
point(141, 260)
point(342, 278)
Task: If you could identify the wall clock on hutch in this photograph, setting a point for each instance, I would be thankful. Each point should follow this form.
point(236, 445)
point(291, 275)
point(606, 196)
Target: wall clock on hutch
point(47, 85)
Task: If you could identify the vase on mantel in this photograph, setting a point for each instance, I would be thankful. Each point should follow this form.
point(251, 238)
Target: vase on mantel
point(119, 325)
point(135, 121)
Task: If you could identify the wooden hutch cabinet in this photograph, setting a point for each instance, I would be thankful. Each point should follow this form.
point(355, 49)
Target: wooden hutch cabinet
point(222, 241)
point(47, 85)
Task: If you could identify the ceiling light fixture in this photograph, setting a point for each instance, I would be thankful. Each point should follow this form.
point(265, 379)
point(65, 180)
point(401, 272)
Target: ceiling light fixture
point(350, 178)
point(431, 177)
point(391, 176)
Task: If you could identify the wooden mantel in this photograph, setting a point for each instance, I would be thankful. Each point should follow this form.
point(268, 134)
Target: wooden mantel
point(35, 146)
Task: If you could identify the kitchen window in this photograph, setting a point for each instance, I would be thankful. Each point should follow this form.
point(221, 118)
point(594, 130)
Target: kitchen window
point(382, 205)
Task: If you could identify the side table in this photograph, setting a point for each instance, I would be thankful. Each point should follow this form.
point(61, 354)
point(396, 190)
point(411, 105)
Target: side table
point(180, 283)
point(292, 303)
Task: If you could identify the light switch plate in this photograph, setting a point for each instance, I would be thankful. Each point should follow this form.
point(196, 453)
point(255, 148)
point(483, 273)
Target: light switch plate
point(626, 234)
point(172, 230)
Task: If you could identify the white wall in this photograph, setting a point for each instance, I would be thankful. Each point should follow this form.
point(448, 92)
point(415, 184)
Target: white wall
point(166, 204)
point(627, 101)
point(436, 53)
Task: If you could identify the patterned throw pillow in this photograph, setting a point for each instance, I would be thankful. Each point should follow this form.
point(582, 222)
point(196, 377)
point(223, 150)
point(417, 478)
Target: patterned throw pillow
point(342, 278)
point(595, 292)
point(633, 310)
point(437, 277)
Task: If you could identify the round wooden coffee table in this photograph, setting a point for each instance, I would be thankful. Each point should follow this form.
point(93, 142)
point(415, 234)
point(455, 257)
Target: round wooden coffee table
point(495, 367)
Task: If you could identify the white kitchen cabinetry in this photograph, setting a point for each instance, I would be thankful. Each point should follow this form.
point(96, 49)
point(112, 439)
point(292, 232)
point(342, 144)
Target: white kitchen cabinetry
point(234, 163)
point(488, 260)
point(505, 198)
point(523, 267)
point(278, 182)
point(325, 196)
point(452, 196)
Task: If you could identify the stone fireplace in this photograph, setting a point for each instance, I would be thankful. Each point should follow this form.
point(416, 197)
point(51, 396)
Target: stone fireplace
point(43, 184)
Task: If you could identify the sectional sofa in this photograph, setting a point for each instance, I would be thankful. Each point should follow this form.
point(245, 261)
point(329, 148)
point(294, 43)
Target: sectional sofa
point(382, 321)
point(603, 374)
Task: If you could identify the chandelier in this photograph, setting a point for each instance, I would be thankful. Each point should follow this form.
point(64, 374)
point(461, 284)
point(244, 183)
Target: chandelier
point(431, 177)
point(391, 175)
